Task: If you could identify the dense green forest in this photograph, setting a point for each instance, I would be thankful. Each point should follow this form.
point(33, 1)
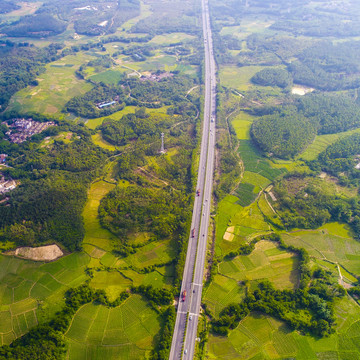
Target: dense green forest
point(39, 25)
point(284, 133)
point(340, 159)
point(327, 66)
point(135, 209)
point(272, 77)
point(47, 206)
point(331, 113)
point(88, 17)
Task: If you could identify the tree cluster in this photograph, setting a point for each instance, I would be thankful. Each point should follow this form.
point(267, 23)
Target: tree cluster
point(37, 25)
point(284, 133)
point(272, 77)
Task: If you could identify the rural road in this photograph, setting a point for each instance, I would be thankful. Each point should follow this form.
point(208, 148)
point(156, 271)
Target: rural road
point(185, 331)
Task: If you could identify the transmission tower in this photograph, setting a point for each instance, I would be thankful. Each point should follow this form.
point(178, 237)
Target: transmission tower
point(162, 150)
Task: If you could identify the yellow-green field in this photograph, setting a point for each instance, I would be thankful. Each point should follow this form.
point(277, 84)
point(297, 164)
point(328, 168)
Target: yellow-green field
point(93, 123)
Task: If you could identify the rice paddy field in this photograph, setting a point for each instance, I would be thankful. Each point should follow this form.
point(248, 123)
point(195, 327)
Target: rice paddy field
point(30, 291)
point(124, 332)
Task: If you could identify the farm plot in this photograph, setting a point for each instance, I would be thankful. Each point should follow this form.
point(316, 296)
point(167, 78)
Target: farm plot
point(128, 330)
point(259, 336)
point(23, 284)
point(266, 261)
point(332, 242)
point(255, 162)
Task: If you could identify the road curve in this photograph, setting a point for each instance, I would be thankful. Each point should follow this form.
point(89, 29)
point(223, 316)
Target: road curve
point(183, 342)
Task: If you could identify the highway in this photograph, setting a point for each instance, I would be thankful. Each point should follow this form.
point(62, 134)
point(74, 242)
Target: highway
point(188, 310)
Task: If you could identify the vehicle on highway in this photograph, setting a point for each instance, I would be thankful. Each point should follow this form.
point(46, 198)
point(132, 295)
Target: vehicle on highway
point(185, 352)
point(190, 317)
point(183, 298)
point(193, 233)
point(212, 119)
point(198, 192)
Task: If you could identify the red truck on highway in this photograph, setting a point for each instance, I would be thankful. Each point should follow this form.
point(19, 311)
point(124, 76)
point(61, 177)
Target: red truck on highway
point(184, 295)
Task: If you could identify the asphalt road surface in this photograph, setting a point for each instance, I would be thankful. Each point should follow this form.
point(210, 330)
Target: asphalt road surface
point(185, 331)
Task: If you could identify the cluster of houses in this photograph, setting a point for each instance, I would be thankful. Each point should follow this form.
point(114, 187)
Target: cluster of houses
point(157, 76)
point(6, 185)
point(103, 104)
point(21, 129)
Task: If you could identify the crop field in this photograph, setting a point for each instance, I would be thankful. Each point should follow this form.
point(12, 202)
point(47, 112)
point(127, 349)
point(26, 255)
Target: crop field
point(321, 142)
point(332, 242)
point(125, 332)
point(269, 212)
point(267, 261)
point(245, 193)
point(221, 292)
point(57, 85)
point(95, 234)
point(253, 161)
point(259, 336)
point(109, 76)
point(242, 222)
point(23, 284)
point(171, 38)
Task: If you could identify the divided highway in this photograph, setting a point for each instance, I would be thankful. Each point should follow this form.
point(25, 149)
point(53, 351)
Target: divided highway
point(185, 331)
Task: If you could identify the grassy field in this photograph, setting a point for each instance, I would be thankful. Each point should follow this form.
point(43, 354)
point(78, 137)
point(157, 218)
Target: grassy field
point(238, 77)
point(57, 85)
point(171, 38)
point(98, 140)
point(242, 124)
